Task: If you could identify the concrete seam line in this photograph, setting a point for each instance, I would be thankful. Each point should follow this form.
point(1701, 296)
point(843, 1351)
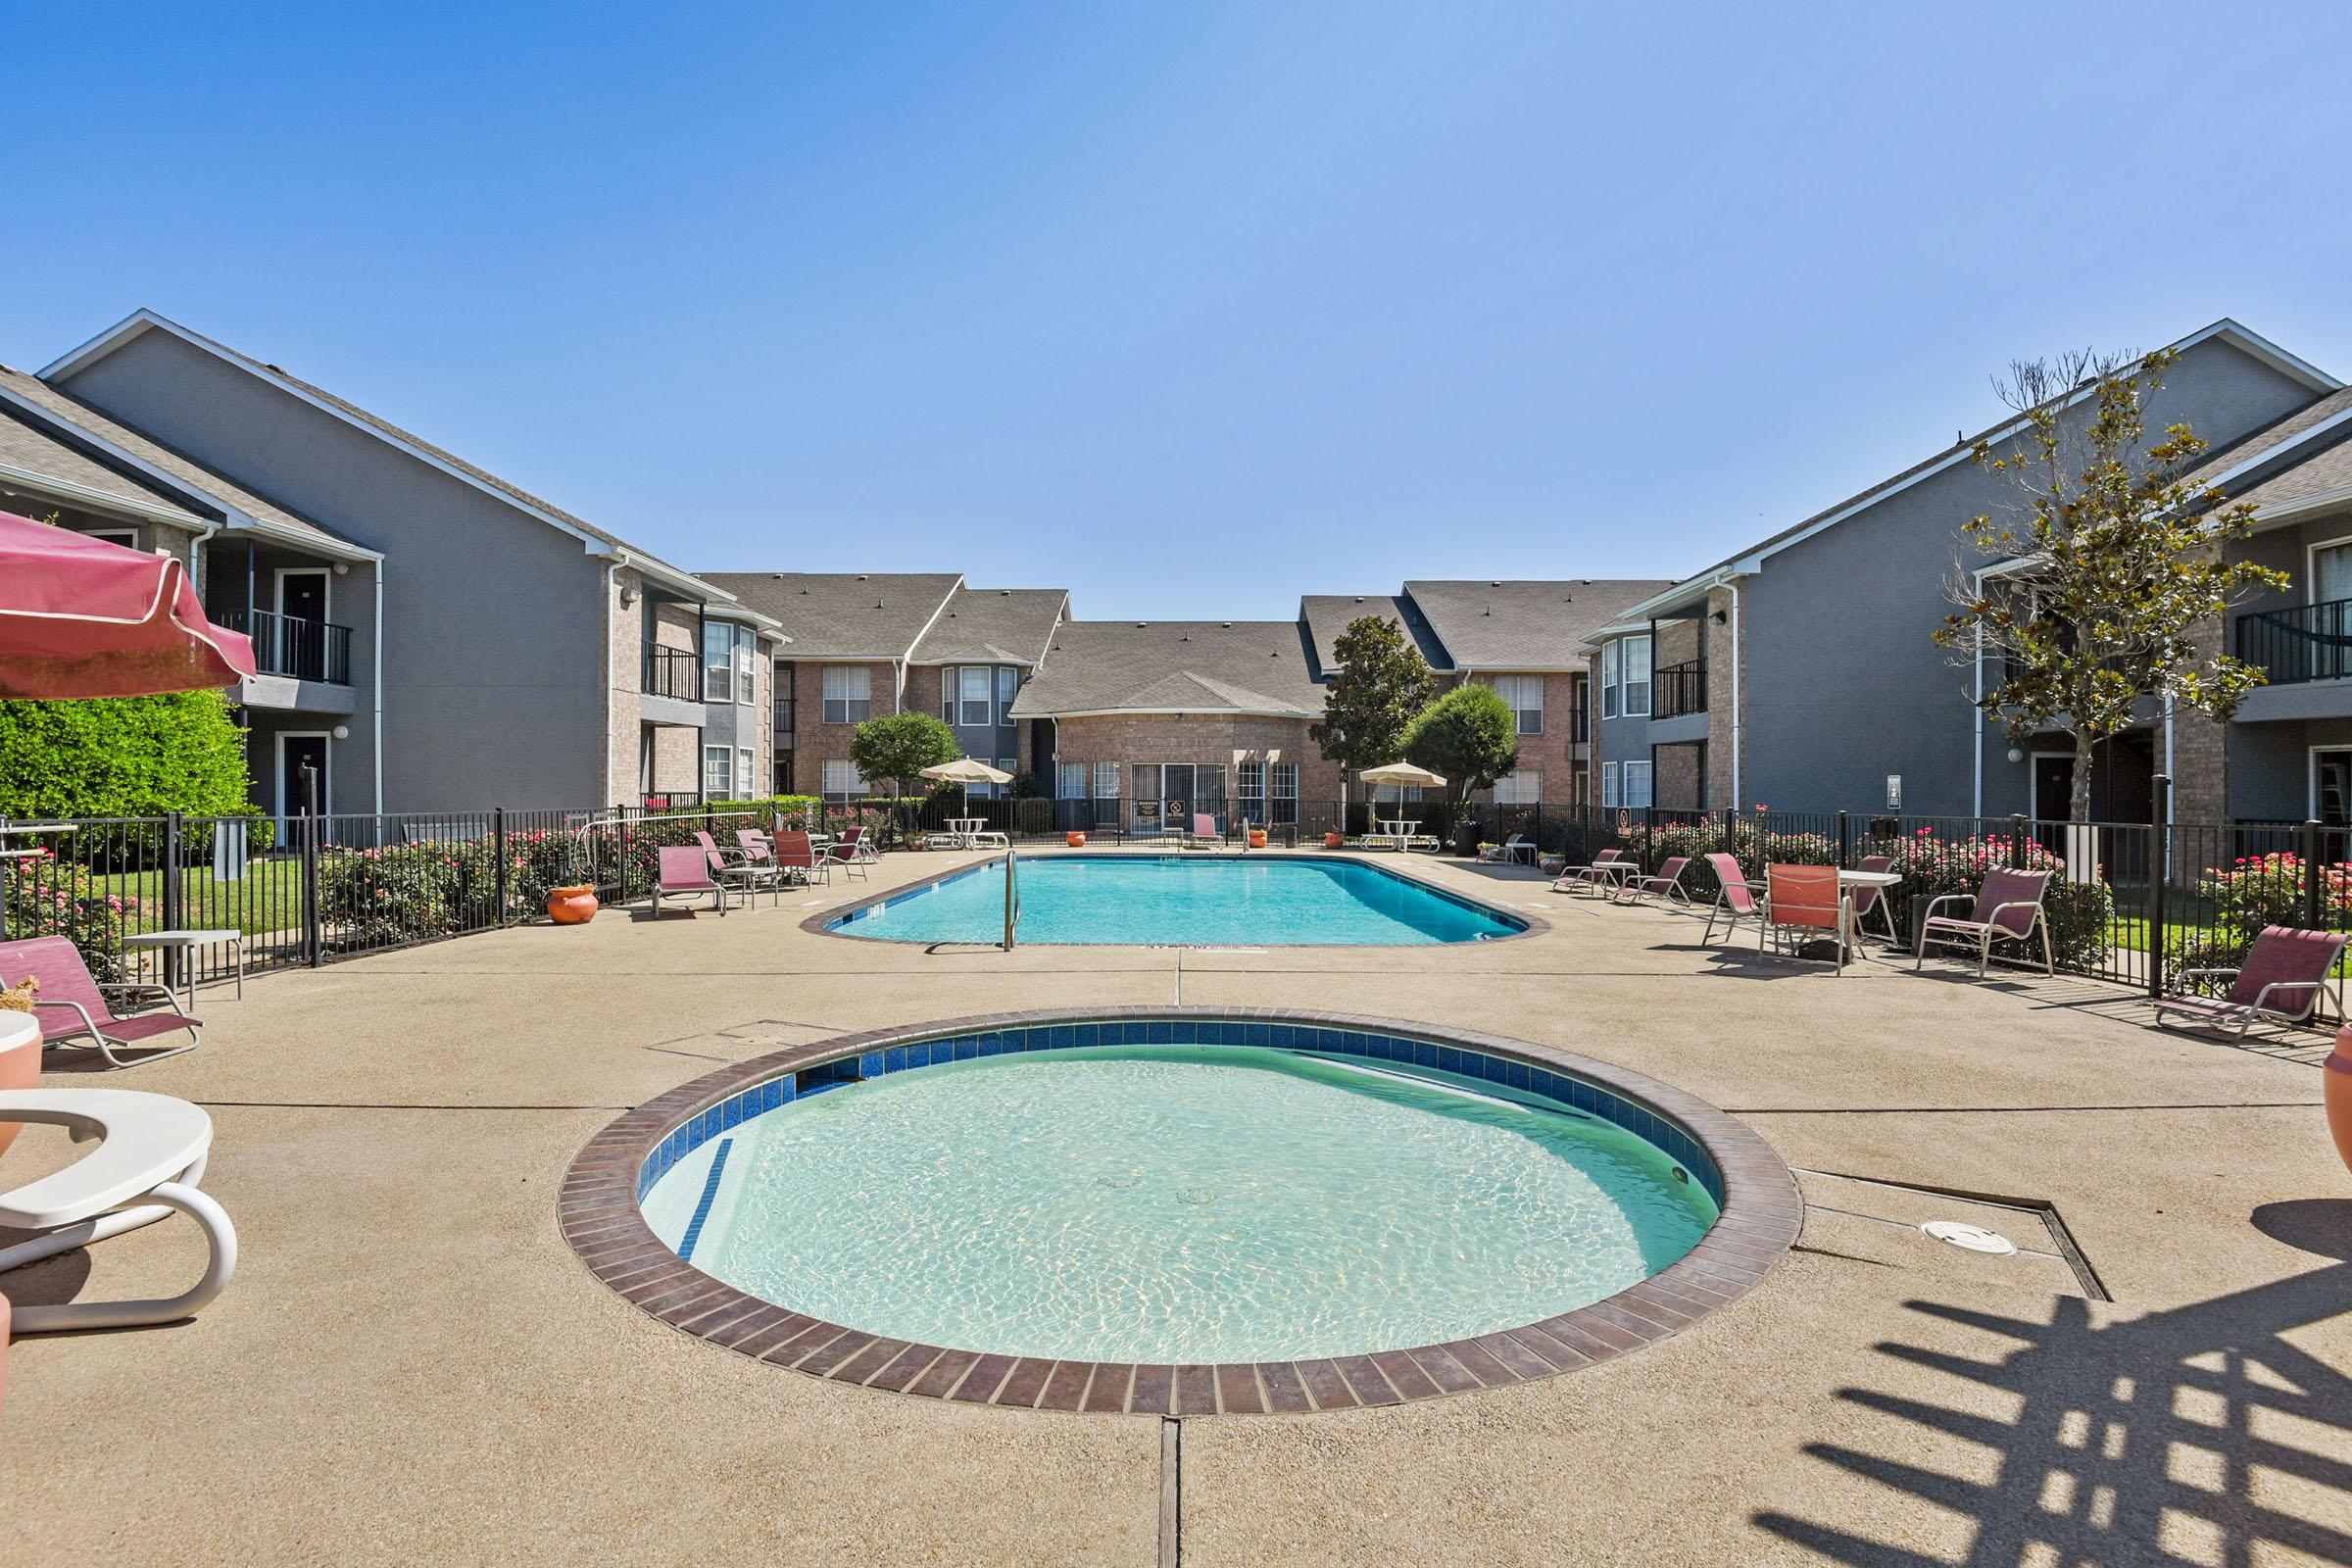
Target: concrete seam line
point(1172, 1493)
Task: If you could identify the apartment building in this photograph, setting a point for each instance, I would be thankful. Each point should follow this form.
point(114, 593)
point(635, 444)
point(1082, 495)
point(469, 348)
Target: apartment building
point(432, 637)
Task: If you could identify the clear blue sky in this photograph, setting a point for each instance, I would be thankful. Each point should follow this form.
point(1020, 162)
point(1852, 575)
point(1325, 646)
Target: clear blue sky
point(1188, 307)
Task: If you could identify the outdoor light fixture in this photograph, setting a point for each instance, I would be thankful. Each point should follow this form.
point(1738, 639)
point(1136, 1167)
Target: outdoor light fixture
point(2016, 754)
point(342, 569)
point(342, 733)
point(1718, 617)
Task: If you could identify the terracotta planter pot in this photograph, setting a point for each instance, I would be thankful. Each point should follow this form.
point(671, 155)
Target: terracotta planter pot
point(1257, 840)
point(1076, 840)
point(1335, 841)
point(20, 1061)
point(574, 906)
point(2336, 1090)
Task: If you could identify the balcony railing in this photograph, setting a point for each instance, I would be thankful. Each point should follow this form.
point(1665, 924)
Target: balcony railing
point(288, 645)
point(1681, 689)
point(2310, 642)
point(673, 672)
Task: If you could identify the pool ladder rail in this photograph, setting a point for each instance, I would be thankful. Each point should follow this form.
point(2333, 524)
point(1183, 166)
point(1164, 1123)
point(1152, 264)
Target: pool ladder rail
point(1012, 898)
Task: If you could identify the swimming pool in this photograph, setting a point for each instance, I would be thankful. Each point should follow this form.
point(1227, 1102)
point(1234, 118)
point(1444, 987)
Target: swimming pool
point(1178, 1210)
point(1191, 900)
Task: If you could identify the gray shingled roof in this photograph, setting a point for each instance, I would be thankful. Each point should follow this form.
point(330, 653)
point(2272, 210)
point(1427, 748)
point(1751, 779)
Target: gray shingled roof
point(843, 614)
point(2276, 434)
point(1329, 615)
point(70, 410)
point(440, 453)
point(1188, 666)
point(2330, 468)
point(992, 625)
point(35, 448)
point(1524, 625)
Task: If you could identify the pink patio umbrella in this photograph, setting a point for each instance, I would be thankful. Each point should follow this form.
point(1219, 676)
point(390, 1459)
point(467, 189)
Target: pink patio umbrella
point(80, 617)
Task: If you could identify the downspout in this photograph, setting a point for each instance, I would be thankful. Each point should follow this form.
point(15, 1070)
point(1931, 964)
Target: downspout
point(380, 686)
point(1976, 798)
point(1739, 658)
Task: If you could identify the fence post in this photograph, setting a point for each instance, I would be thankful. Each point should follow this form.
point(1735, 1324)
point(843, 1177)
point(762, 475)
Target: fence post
point(312, 944)
point(1843, 843)
point(175, 894)
point(2311, 874)
point(1649, 835)
point(4, 874)
point(2160, 796)
point(2017, 842)
point(620, 838)
point(497, 838)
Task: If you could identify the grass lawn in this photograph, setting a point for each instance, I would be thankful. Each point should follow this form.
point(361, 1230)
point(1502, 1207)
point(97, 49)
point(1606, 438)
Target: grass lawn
point(267, 899)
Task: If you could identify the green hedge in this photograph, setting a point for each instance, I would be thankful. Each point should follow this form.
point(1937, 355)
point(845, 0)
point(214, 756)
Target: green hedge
point(122, 756)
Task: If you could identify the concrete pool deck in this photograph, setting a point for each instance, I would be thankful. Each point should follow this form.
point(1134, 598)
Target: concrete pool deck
point(412, 1365)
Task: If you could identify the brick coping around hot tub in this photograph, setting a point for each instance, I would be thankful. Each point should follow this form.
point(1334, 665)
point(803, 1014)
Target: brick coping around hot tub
point(827, 922)
point(600, 1215)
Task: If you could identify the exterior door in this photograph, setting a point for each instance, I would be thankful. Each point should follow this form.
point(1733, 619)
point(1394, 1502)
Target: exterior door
point(294, 754)
point(302, 624)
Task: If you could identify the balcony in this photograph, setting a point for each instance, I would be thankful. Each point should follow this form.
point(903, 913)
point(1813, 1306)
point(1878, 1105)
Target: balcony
point(1680, 689)
point(292, 647)
point(2307, 643)
point(673, 672)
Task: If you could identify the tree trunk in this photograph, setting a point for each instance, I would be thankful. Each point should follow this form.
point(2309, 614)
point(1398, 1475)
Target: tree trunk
point(2078, 806)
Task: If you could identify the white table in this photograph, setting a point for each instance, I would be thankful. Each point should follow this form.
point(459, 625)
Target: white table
point(1398, 830)
point(1867, 879)
point(965, 829)
point(185, 943)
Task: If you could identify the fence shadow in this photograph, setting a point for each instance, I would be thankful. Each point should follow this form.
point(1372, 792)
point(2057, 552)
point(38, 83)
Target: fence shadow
point(2200, 1434)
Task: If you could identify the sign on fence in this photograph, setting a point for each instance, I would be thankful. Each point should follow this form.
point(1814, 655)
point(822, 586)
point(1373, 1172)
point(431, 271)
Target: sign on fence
point(2082, 853)
point(229, 850)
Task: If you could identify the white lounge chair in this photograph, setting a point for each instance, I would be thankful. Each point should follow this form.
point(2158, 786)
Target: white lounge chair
point(149, 1159)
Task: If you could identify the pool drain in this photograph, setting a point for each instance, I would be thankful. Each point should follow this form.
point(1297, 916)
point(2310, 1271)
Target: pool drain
point(1973, 1237)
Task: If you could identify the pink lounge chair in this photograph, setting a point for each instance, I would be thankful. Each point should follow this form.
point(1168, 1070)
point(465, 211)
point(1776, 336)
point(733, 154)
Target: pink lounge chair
point(2284, 979)
point(1869, 899)
point(1737, 899)
point(858, 843)
point(1800, 899)
point(2007, 909)
point(846, 851)
point(686, 871)
point(797, 854)
point(67, 988)
point(1666, 885)
point(1203, 832)
point(1608, 870)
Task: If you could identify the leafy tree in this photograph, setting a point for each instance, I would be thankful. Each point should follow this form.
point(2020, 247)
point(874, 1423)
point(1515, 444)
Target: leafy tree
point(1381, 683)
point(2118, 560)
point(899, 746)
point(122, 756)
point(1470, 736)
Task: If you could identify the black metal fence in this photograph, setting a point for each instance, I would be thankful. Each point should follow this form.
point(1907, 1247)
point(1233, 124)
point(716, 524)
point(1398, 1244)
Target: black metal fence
point(2137, 903)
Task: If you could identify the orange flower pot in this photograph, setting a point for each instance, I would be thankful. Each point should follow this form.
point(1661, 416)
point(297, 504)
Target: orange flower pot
point(1258, 839)
point(2336, 1091)
point(1335, 841)
point(574, 906)
point(1076, 840)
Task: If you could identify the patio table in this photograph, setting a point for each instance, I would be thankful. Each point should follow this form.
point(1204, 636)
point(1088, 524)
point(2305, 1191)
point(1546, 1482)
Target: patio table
point(1400, 831)
point(185, 943)
point(965, 829)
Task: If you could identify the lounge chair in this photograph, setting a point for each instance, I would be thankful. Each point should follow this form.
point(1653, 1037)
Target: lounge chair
point(1608, 870)
point(150, 1157)
point(1737, 899)
point(2283, 979)
point(1800, 899)
point(67, 988)
point(1203, 834)
point(685, 870)
point(796, 855)
point(1867, 898)
point(1666, 885)
point(2007, 909)
point(1517, 850)
point(843, 852)
point(752, 867)
point(861, 843)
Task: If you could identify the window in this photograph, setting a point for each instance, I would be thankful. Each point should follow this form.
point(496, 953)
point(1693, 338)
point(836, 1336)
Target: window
point(718, 774)
point(1284, 804)
point(947, 694)
point(744, 780)
point(1525, 696)
point(1069, 781)
point(1608, 683)
point(1636, 784)
point(841, 781)
point(747, 665)
point(1106, 781)
point(972, 701)
point(719, 661)
point(1608, 784)
point(1525, 787)
point(849, 695)
point(1009, 686)
point(1637, 681)
point(1253, 792)
point(127, 538)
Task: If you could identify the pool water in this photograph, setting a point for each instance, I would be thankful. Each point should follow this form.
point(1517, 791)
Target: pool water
point(1178, 1203)
point(1198, 901)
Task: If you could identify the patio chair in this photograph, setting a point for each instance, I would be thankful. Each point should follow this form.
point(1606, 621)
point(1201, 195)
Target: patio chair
point(1203, 834)
point(862, 843)
point(796, 855)
point(844, 853)
point(150, 1155)
point(1517, 850)
point(2007, 909)
point(750, 870)
point(66, 987)
point(2284, 979)
point(1799, 900)
point(1666, 885)
point(1608, 870)
point(1737, 899)
point(685, 870)
point(1869, 899)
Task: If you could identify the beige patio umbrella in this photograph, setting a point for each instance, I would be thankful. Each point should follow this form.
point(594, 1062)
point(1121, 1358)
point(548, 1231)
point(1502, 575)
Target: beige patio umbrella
point(963, 774)
point(1400, 774)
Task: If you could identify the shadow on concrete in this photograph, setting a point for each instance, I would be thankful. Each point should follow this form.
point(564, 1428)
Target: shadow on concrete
point(2200, 1434)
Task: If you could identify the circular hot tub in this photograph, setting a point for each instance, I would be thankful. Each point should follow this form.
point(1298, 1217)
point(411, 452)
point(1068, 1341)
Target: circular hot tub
point(1178, 1210)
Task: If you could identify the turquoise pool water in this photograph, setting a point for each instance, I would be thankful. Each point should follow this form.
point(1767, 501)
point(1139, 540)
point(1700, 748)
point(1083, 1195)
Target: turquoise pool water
point(1178, 1203)
point(1197, 901)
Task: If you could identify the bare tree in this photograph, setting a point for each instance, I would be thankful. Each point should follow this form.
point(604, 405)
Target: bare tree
point(2085, 591)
